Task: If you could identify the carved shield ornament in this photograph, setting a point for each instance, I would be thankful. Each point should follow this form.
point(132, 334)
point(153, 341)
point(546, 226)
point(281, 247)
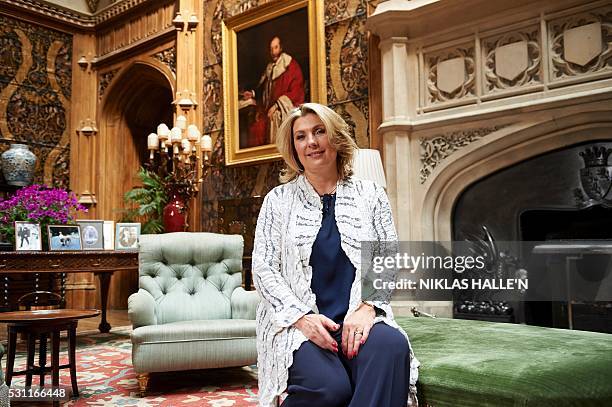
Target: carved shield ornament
point(511, 60)
point(582, 44)
point(451, 74)
point(596, 176)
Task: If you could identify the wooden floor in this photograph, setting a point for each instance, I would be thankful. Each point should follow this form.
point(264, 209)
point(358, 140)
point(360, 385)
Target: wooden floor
point(117, 319)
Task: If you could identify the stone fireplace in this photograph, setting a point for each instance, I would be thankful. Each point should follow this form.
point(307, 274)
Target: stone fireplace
point(475, 90)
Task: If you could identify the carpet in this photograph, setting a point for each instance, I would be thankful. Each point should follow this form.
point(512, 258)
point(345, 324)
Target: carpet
point(106, 378)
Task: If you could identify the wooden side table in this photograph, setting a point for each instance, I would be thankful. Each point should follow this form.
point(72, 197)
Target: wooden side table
point(43, 323)
point(102, 263)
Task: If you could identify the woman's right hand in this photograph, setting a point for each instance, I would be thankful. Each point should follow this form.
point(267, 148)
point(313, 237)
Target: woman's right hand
point(316, 327)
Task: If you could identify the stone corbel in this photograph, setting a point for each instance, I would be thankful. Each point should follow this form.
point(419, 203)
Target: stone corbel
point(87, 128)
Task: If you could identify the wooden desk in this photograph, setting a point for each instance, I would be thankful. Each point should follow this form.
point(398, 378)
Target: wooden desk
point(102, 263)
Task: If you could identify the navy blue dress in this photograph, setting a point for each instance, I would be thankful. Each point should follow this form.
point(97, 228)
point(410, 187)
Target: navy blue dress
point(332, 271)
point(379, 375)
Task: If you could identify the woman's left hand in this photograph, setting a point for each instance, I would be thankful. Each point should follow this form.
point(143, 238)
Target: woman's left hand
point(356, 329)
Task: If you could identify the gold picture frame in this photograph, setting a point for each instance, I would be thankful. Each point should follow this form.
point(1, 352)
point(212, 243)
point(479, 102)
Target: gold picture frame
point(265, 52)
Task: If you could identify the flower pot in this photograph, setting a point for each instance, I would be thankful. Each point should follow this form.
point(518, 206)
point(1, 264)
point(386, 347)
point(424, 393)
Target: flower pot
point(18, 164)
point(175, 215)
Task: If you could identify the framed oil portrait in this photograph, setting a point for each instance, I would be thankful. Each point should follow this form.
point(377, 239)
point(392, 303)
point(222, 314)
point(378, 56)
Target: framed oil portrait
point(27, 236)
point(64, 237)
point(127, 236)
point(92, 234)
point(273, 61)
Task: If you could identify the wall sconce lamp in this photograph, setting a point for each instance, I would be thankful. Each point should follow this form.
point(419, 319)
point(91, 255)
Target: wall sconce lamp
point(193, 22)
point(185, 100)
point(179, 22)
point(83, 62)
point(87, 128)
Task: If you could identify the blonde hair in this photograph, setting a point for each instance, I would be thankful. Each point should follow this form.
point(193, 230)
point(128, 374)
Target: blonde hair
point(337, 130)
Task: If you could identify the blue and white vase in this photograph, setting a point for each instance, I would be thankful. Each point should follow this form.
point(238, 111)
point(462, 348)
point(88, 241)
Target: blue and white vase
point(18, 164)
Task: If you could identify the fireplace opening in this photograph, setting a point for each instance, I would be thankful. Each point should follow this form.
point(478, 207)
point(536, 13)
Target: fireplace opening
point(559, 195)
point(589, 224)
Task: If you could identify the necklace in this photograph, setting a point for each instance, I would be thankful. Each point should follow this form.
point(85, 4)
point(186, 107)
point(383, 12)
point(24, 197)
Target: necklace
point(331, 192)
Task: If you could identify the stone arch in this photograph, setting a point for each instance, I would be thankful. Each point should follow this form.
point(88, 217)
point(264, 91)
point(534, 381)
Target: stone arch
point(501, 150)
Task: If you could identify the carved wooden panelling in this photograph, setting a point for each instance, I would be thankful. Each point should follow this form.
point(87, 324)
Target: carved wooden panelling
point(128, 32)
point(35, 91)
point(581, 44)
point(167, 57)
point(512, 60)
point(104, 80)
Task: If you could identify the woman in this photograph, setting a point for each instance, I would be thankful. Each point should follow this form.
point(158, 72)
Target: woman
point(316, 339)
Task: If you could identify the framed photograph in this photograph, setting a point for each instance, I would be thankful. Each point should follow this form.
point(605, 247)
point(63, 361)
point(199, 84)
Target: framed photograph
point(92, 234)
point(27, 236)
point(64, 237)
point(109, 235)
point(127, 236)
point(273, 61)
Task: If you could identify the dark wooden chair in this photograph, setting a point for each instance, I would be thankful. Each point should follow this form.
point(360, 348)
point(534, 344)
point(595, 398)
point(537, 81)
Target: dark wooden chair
point(35, 323)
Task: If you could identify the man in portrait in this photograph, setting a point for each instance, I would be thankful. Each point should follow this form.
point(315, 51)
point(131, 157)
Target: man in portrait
point(280, 89)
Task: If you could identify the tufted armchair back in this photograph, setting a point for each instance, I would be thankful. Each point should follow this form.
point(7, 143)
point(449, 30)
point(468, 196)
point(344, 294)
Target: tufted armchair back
point(191, 276)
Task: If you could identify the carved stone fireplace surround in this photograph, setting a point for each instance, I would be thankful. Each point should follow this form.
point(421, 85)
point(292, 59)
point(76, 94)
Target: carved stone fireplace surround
point(476, 86)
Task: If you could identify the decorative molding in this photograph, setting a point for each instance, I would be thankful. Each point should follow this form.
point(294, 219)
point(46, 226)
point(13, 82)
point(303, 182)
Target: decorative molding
point(118, 8)
point(53, 11)
point(512, 60)
point(445, 81)
point(167, 57)
point(93, 5)
point(137, 30)
point(436, 149)
point(105, 79)
point(72, 17)
point(581, 44)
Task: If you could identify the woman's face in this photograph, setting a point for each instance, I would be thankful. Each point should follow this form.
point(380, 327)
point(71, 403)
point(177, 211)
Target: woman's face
point(312, 145)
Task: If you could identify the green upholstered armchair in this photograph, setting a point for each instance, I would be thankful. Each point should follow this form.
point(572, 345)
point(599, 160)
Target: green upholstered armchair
point(190, 311)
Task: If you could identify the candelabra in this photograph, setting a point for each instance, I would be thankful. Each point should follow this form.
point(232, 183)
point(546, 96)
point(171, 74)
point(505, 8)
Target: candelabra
point(174, 157)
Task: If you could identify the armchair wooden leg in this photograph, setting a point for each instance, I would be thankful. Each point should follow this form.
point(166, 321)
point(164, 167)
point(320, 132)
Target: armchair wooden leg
point(143, 379)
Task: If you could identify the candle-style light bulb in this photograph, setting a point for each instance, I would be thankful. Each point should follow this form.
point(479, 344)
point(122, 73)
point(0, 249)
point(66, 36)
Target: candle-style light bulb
point(181, 122)
point(206, 143)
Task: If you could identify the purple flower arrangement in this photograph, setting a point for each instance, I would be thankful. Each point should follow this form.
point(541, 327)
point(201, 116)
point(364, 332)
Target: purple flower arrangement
point(38, 204)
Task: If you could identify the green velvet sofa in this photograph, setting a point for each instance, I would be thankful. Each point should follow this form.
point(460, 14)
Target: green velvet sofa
point(190, 311)
point(475, 363)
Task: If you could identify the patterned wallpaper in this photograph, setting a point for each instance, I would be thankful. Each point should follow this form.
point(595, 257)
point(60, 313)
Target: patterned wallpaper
point(346, 47)
point(35, 87)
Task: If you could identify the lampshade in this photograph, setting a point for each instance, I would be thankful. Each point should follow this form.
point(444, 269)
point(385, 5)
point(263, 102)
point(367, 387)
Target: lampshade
point(163, 131)
point(181, 122)
point(368, 165)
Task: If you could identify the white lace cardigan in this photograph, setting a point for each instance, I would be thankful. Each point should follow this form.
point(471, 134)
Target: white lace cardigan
point(288, 223)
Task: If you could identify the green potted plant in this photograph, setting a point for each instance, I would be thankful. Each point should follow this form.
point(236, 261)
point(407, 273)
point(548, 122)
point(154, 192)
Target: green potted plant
point(150, 200)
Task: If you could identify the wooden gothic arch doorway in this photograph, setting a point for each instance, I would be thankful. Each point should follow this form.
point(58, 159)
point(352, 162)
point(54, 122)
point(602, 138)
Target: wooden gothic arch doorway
point(139, 98)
